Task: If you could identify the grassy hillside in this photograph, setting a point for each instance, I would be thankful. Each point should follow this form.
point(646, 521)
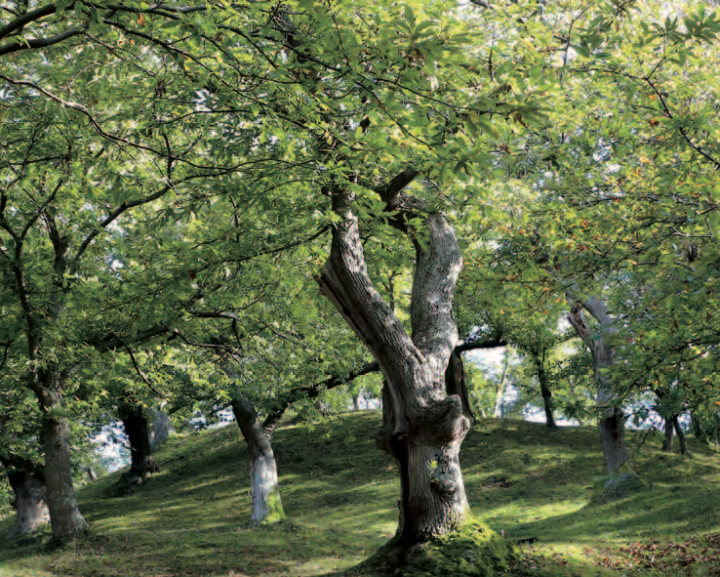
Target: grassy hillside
point(340, 494)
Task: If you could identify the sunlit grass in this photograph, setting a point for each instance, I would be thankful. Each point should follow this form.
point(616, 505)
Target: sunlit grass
point(340, 494)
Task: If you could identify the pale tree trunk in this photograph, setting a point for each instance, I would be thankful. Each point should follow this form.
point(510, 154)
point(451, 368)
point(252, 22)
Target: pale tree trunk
point(264, 487)
point(612, 422)
point(28, 485)
point(160, 429)
point(66, 520)
point(135, 422)
point(423, 427)
point(500, 397)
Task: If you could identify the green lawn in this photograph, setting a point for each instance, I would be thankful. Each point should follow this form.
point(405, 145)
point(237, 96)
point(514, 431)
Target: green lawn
point(340, 494)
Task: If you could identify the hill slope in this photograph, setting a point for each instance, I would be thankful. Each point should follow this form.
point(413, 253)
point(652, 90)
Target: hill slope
point(340, 495)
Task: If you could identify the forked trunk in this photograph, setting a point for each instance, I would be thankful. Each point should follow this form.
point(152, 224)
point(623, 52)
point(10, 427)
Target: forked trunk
point(65, 518)
point(135, 422)
point(423, 425)
point(264, 488)
point(28, 484)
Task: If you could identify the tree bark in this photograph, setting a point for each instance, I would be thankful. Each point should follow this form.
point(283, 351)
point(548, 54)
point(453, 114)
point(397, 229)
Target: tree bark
point(500, 396)
point(423, 428)
point(612, 423)
point(545, 391)
point(667, 445)
point(264, 488)
point(66, 521)
point(135, 422)
point(28, 485)
point(680, 435)
point(160, 429)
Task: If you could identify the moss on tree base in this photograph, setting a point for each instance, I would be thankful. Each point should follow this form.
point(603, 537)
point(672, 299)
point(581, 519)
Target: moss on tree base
point(472, 550)
point(617, 488)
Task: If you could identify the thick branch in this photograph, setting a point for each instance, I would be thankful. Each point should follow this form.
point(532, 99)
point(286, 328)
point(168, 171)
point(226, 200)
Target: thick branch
point(36, 43)
point(26, 18)
point(310, 392)
point(438, 265)
point(345, 281)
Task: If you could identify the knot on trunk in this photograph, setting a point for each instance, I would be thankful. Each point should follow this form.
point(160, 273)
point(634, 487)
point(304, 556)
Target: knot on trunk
point(444, 421)
point(444, 476)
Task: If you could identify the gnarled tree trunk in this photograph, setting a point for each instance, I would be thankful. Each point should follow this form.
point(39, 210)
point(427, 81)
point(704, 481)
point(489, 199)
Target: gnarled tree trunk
point(135, 422)
point(423, 427)
point(612, 423)
point(264, 488)
point(28, 484)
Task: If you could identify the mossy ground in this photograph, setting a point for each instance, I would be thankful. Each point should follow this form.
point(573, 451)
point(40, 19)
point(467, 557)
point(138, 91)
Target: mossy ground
point(340, 493)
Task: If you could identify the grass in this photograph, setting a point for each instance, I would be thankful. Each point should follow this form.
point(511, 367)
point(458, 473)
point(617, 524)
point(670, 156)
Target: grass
point(340, 495)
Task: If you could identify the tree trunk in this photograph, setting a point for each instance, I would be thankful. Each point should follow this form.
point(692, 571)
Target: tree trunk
point(160, 429)
point(667, 445)
point(423, 427)
point(500, 396)
point(264, 488)
point(65, 518)
point(356, 402)
point(545, 391)
point(680, 435)
point(142, 463)
point(28, 484)
point(612, 422)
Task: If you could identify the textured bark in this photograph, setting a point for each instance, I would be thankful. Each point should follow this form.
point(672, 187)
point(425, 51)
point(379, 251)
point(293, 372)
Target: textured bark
point(422, 426)
point(455, 384)
point(65, 518)
point(612, 423)
point(135, 422)
point(264, 488)
point(28, 484)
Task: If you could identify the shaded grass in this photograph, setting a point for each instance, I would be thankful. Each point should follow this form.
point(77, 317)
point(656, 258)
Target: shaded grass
point(340, 494)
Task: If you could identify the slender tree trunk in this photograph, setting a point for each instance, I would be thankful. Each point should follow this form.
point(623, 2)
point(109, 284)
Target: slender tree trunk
point(545, 391)
point(680, 435)
point(667, 445)
point(500, 396)
point(356, 402)
point(28, 484)
point(135, 422)
point(264, 488)
point(612, 422)
point(65, 518)
point(423, 427)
